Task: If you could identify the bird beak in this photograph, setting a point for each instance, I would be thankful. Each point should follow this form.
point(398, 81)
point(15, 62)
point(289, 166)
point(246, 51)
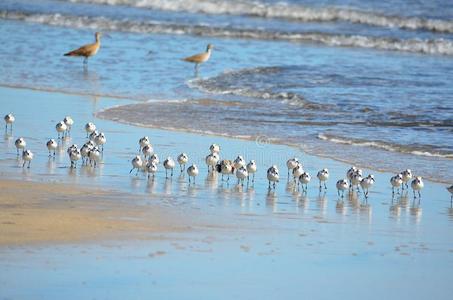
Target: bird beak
point(107, 35)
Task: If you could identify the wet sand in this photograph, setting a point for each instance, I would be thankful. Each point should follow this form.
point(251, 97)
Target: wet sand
point(105, 233)
point(39, 213)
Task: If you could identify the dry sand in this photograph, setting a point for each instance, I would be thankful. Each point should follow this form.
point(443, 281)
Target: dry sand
point(45, 212)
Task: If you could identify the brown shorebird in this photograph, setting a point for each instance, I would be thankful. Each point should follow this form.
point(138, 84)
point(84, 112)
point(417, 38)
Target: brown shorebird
point(201, 57)
point(87, 50)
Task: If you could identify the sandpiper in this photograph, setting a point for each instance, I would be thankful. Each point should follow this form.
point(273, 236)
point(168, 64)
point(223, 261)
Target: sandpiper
point(90, 128)
point(304, 179)
point(9, 120)
point(74, 156)
point(182, 159)
point(214, 148)
point(241, 174)
point(273, 176)
point(323, 176)
point(355, 181)
point(95, 156)
point(61, 128)
point(20, 144)
point(407, 176)
point(297, 172)
point(143, 142)
point(192, 171)
point(100, 140)
point(85, 150)
point(225, 167)
point(239, 162)
point(251, 169)
point(450, 189)
point(169, 164)
point(137, 163)
point(417, 185)
point(342, 185)
point(52, 145)
point(147, 150)
point(68, 122)
point(151, 168)
point(154, 158)
point(27, 156)
point(396, 181)
point(211, 161)
point(366, 183)
point(291, 164)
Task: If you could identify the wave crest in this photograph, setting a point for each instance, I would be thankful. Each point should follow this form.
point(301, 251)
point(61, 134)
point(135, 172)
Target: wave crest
point(432, 46)
point(413, 149)
point(288, 11)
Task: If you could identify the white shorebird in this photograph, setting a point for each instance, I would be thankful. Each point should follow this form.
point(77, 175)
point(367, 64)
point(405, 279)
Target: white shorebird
point(143, 142)
point(350, 174)
point(74, 156)
point(214, 148)
point(200, 58)
point(72, 148)
point(85, 150)
point(20, 144)
point(100, 140)
point(27, 156)
point(225, 167)
point(182, 159)
point(169, 164)
point(417, 185)
point(93, 135)
point(304, 179)
point(52, 145)
point(291, 164)
point(450, 189)
point(61, 129)
point(366, 183)
point(192, 171)
point(297, 172)
point(154, 158)
point(396, 182)
point(407, 176)
point(211, 161)
point(273, 176)
point(323, 176)
point(151, 168)
point(69, 122)
point(95, 156)
point(355, 181)
point(342, 185)
point(90, 128)
point(147, 150)
point(137, 163)
point(9, 120)
point(239, 162)
point(251, 169)
point(241, 174)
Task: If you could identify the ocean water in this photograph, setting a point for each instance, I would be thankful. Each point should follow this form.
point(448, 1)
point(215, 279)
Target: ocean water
point(365, 82)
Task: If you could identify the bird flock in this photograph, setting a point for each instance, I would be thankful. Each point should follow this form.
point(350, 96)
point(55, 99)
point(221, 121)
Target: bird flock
point(147, 162)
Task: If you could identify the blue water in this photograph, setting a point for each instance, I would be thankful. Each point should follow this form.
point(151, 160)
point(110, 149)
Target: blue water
point(360, 81)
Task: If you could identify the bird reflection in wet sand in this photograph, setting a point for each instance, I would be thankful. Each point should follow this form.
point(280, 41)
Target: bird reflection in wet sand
point(272, 200)
point(211, 181)
point(322, 202)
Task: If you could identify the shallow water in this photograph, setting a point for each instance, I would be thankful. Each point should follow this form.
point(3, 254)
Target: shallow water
point(262, 243)
point(311, 74)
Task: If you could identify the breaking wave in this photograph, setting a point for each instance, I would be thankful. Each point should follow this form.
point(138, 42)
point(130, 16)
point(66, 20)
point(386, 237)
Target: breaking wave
point(424, 46)
point(288, 11)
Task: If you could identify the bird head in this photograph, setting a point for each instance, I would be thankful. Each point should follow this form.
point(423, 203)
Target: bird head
point(210, 47)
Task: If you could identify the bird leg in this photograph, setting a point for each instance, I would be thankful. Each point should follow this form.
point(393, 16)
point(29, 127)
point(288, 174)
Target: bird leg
point(29, 162)
point(131, 170)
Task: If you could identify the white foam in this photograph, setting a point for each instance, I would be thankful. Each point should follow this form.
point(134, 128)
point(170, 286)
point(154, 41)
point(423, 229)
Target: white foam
point(288, 11)
point(430, 46)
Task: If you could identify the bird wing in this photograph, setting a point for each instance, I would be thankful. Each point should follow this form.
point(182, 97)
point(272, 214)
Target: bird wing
point(195, 58)
point(85, 50)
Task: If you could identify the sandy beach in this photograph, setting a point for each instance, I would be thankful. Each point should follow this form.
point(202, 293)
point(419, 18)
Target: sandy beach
point(117, 225)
